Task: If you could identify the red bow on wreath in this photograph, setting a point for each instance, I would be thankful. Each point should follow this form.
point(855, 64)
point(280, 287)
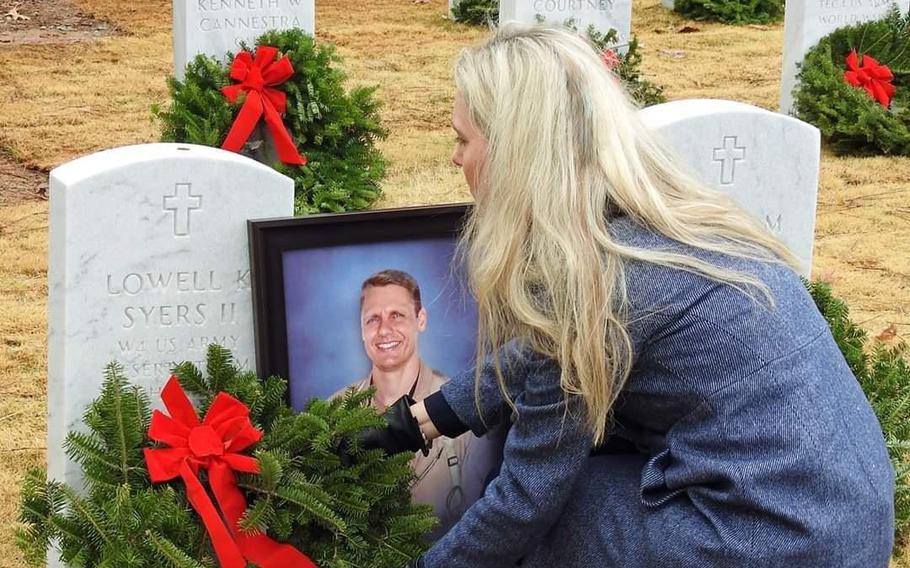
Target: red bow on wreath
point(871, 76)
point(213, 445)
point(257, 77)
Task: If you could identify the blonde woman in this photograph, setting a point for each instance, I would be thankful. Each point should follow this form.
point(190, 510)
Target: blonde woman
point(675, 397)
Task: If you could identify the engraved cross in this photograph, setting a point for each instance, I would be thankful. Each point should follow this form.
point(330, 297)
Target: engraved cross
point(727, 155)
point(181, 203)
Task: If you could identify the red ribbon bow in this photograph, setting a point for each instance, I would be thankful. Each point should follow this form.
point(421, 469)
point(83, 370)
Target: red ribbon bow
point(213, 445)
point(871, 76)
point(257, 77)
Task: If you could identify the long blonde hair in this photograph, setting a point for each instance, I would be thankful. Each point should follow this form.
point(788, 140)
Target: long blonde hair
point(565, 153)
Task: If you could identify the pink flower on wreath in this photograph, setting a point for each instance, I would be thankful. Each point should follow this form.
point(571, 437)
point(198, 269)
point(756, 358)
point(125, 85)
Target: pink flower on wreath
point(610, 59)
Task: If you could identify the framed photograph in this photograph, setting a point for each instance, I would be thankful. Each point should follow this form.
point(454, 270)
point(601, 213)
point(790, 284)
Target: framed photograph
point(307, 274)
point(325, 289)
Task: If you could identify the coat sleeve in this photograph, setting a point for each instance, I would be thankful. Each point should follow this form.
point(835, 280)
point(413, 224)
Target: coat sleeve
point(544, 453)
point(479, 405)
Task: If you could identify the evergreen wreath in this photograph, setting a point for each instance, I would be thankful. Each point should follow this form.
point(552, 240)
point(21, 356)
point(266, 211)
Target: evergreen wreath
point(339, 514)
point(336, 130)
point(627, 66)
point(732, 11)
point(623, 60)
point(851, 120)
point(476, 12)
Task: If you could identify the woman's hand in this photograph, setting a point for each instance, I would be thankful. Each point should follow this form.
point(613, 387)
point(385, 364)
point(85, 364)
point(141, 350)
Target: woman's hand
point(402, 432)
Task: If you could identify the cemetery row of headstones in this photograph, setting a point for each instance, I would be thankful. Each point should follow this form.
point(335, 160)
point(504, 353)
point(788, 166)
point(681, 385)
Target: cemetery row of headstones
point(216, 27)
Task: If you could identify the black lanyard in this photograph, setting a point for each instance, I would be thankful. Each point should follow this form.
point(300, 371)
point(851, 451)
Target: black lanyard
point(413, 387)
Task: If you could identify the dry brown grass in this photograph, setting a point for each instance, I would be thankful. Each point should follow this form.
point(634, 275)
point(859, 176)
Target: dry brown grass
point(23, 296)
point(61, 101)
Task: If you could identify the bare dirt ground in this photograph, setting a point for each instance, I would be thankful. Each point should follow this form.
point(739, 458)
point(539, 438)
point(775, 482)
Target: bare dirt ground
point(29, 22)
point(80, 75)
point(19, 183)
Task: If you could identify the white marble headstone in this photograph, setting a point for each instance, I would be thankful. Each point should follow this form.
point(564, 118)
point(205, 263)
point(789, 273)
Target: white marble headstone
point(807, 21)
point(768, 162)
point(602, 14)
point(149, 264)
point(216, 27)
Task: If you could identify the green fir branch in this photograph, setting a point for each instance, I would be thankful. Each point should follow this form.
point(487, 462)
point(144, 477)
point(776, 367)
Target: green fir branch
point(87, 513)
point(732, 11)
point(258, 517)
point(219, 367)
point(192, 380)
point(33, 536)
point(171, 553)
point(88, 451)
point(339, 515)
point(476, 12)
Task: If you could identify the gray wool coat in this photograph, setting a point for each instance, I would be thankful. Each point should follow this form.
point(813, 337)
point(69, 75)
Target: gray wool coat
point(752, 443)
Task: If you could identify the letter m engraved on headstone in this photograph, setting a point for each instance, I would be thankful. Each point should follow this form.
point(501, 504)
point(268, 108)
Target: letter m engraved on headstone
point(181, 203)
point(773, 223)
point(727, 155)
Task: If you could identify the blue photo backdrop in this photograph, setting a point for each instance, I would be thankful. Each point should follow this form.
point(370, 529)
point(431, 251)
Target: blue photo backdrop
point(322, 304)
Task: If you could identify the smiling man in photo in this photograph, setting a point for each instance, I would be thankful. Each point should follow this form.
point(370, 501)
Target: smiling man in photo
point(392, 317)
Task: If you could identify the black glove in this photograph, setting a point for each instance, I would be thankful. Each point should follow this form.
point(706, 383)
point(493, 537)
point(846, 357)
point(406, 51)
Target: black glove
point(402, 434)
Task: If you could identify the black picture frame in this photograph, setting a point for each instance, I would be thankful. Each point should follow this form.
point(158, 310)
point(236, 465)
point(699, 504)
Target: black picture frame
point(270, 239)
point(307, 283)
